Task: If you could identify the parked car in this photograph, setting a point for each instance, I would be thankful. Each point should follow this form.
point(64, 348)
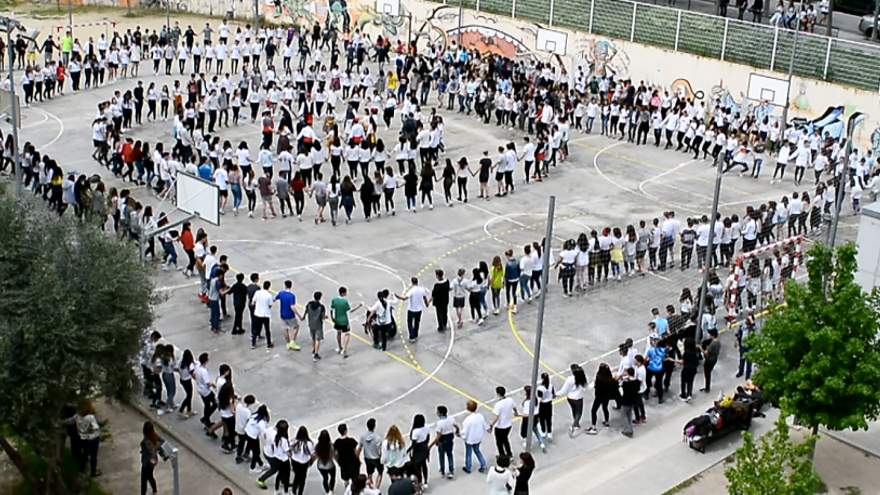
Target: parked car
point(855, 7)
point(866, 25)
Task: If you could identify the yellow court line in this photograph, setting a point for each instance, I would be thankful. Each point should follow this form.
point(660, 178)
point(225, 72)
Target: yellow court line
point(445, 255)
point(523, 344)
point(665, 169)
point(398, 359)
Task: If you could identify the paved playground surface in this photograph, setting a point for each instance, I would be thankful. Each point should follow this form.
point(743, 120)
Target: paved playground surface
point(605, 183)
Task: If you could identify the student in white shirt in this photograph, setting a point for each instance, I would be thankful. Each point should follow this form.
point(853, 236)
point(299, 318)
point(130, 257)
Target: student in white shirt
point(573, 389)
point(473, 428)
point(505, 411)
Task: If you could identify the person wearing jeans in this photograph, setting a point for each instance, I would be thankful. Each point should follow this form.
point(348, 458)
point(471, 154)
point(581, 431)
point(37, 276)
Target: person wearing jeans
point(473, 428)
point(573, 390)
point(417, 297)
point(447, 429)
point(203, 387)
point(505, 411)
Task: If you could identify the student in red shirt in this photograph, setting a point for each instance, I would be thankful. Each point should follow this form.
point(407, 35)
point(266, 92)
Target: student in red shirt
point(189, 244)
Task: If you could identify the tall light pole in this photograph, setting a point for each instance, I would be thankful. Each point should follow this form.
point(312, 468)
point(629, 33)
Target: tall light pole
point(710, 249)
point(168, 17)
point(257, 18)
point(460, 15)
point(797, 30)
point(539, 332)
point(70, 16)
point(9, 25)
point(854, 120)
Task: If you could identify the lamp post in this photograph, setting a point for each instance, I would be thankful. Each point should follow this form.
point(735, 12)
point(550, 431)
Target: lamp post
point(9, 25)
point(70, 16)
point(539, 332)
point(710, 250)
point(797, 29)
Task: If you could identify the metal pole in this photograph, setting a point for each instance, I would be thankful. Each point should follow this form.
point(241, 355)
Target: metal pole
point(168, 17)
point(841, 186)
point(70, 16)
point(830, 17)
point(460, 14)
point(709, 249)
point(876, 17)
point(11, 24)
point(536, 364)
point(257, 17)
point(175, 468)
point(797, 29)
point(409, 35)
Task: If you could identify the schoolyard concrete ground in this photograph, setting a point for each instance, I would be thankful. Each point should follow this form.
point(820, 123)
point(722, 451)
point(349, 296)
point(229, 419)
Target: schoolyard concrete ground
point(605, 183)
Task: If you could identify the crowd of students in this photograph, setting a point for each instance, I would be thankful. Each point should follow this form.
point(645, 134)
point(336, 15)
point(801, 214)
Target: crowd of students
point(535, 98)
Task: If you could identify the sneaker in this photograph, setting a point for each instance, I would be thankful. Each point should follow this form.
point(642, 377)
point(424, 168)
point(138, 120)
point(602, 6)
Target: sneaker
point(450, 476)
point(254, 471)
point(543, 448)
point(261, 484)
point(592, 431)
point(338, 350)
point(293, 346)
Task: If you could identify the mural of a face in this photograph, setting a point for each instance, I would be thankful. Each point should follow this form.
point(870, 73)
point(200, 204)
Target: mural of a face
point(490, 40)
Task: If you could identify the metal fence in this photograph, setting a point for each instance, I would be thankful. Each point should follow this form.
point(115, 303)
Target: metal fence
point(816, 57)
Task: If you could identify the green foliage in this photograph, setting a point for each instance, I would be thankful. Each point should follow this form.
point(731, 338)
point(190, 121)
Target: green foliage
point(75, 305)
point(775, 466)
point(819, 357)
point(69, 472)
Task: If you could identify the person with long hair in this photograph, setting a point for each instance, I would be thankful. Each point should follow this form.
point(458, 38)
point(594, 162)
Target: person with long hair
point(325, 462)
point(394, 452)
point(419, 451)
point(690, 360)
point(525, 413)
point(545, 393)
point(226, 405)
point(256, 425)
point(302, 455)
point(604, 390)
point(573, 390)
point(496, 283)
point(149, 457)
point(380, 317)
point(361, 485)
point(523, 473)
point(89, 434)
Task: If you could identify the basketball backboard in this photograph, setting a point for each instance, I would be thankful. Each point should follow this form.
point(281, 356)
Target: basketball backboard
point(388, 7)
point(768, 89)
point(551, 41)
point(199, 197)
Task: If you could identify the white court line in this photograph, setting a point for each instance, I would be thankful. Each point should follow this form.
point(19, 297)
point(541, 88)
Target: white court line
point(662, 174)
point(703, 196)
point(325, 277)
point(630, 190)
point(60, 131)
point(35, 124)
point(585, 138)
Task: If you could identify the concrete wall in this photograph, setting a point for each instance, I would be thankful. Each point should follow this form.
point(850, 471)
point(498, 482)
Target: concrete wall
point(696, 76)
point(868, 275)
point(703, 78)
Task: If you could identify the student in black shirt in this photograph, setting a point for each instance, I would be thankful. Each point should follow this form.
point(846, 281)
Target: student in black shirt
point(346, 455)
point(239, 302)
point(523, 473)
point(440, 300)
point(630, 391)
point(251, 290)
point(689, 362)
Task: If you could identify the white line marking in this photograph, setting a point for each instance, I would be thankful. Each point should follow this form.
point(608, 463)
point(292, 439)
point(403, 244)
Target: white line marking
point(60, 132)
point(662, 174)
point(688, 191)
point(627, 189)
point(585, 138)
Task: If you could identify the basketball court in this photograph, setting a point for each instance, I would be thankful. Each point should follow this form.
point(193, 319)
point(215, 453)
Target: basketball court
point(605, 183)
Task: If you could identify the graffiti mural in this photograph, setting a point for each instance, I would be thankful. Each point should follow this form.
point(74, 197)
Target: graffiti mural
point(601, 58)
point(490, 40)
point(344, 15)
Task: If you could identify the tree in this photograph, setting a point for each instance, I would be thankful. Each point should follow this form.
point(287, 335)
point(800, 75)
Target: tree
point(774, 467)
point(819, 357)
point(76, 303)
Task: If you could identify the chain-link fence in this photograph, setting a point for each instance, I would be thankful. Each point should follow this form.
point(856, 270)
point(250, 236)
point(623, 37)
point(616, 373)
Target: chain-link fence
point(819, 57)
